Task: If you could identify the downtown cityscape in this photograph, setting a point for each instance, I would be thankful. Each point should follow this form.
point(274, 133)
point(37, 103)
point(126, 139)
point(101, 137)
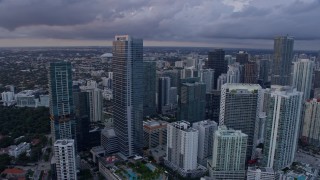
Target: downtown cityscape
point(138, 107)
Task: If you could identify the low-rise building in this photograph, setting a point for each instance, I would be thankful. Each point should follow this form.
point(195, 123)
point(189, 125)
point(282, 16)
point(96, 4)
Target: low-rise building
point(263, 173)
point(298, 171)
point(109, 140)
point(155, 133)
point(16, 150)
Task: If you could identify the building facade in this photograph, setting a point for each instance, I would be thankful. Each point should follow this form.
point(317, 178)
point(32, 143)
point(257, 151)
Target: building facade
point(283, 56)
point(128, 93)
point(311, 122)
point(217, 62)
point(149, 84)
point(233, 74)
point(207, 77)
point(192, 101)
point(240, 108)
point(65, 157)
point(229, 154)
point(182, 148)
point(282, 105)
point(212, 110)
point(155, 133)
point(302, 76)
point(206, 130)
point(163, 94)
point(62, 113)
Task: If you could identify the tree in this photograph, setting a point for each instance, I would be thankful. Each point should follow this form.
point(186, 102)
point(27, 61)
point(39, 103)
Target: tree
point(85, 174)
point(6, 141)
point(5, 160)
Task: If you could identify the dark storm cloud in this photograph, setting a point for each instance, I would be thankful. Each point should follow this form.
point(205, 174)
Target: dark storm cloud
point(173, 20)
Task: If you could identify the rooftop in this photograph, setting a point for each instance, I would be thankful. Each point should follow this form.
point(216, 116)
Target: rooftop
point(240, 86)
point(13, 171)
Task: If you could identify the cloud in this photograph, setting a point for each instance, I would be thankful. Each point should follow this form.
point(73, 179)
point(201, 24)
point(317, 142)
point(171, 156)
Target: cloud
point(165, 20)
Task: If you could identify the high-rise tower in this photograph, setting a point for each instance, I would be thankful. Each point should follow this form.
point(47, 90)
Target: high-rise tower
point(283, 54)
point(229, 154)
point(302, 76)
point(282, 105)
point(217, 62)
point(149, 100)
point(61, 101)
point(239, 110)
point(128, 93)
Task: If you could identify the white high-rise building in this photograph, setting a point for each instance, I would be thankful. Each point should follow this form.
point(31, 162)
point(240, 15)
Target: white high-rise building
point(233, 74)
point(240, 109)
point(283, 110)
point(182, 147)
point(229, 154)
point(95, 100)
point(207, 77)
point(311, 122)
point(302, 76)
point(65, 157)
point(222, 79)
point(206, 130)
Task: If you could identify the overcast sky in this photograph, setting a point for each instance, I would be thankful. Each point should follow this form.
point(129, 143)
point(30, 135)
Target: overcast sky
point(211, 23)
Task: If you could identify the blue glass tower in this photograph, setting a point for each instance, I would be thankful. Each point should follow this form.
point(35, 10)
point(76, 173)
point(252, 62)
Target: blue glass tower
point(128, 93)
point(61, 101)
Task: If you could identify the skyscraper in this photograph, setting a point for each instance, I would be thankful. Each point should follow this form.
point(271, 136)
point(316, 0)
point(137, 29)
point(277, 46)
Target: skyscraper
point(302, 77)
point(212, 110)
point(163, 93)
point(242, 57)
point(182, 147)
point(283, 55)
point(192, 101)
point(240, 108)
point(95, 100)
point(217, 62)
point(233, 74)
point(316, 84)
point(282, 105)
point(82, 114)
point(128, 93)
point(229, 154)
point(207, 77)
point(206, 130)
point(250, 73)
point(65, 157)
point(222, 79)
point(149, 84)
point(311, 122)
point(264, 67)
point(61, 101)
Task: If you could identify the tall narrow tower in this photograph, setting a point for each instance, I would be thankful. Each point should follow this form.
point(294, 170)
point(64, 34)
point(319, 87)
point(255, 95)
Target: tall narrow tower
point(61, 101)
point(302, 77)
point(283, 54)
point(128, 93)
point(217, 62)
point(283, 108)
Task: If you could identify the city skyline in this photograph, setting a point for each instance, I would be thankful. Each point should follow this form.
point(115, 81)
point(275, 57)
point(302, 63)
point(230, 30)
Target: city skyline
point(204, 23)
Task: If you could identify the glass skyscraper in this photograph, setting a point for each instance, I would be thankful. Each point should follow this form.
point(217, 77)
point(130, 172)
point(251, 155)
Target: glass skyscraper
point(192, 102)
point(217, 62)
point(283, 55)
point(61, 101)
point(149, 104)
point(128, 93)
